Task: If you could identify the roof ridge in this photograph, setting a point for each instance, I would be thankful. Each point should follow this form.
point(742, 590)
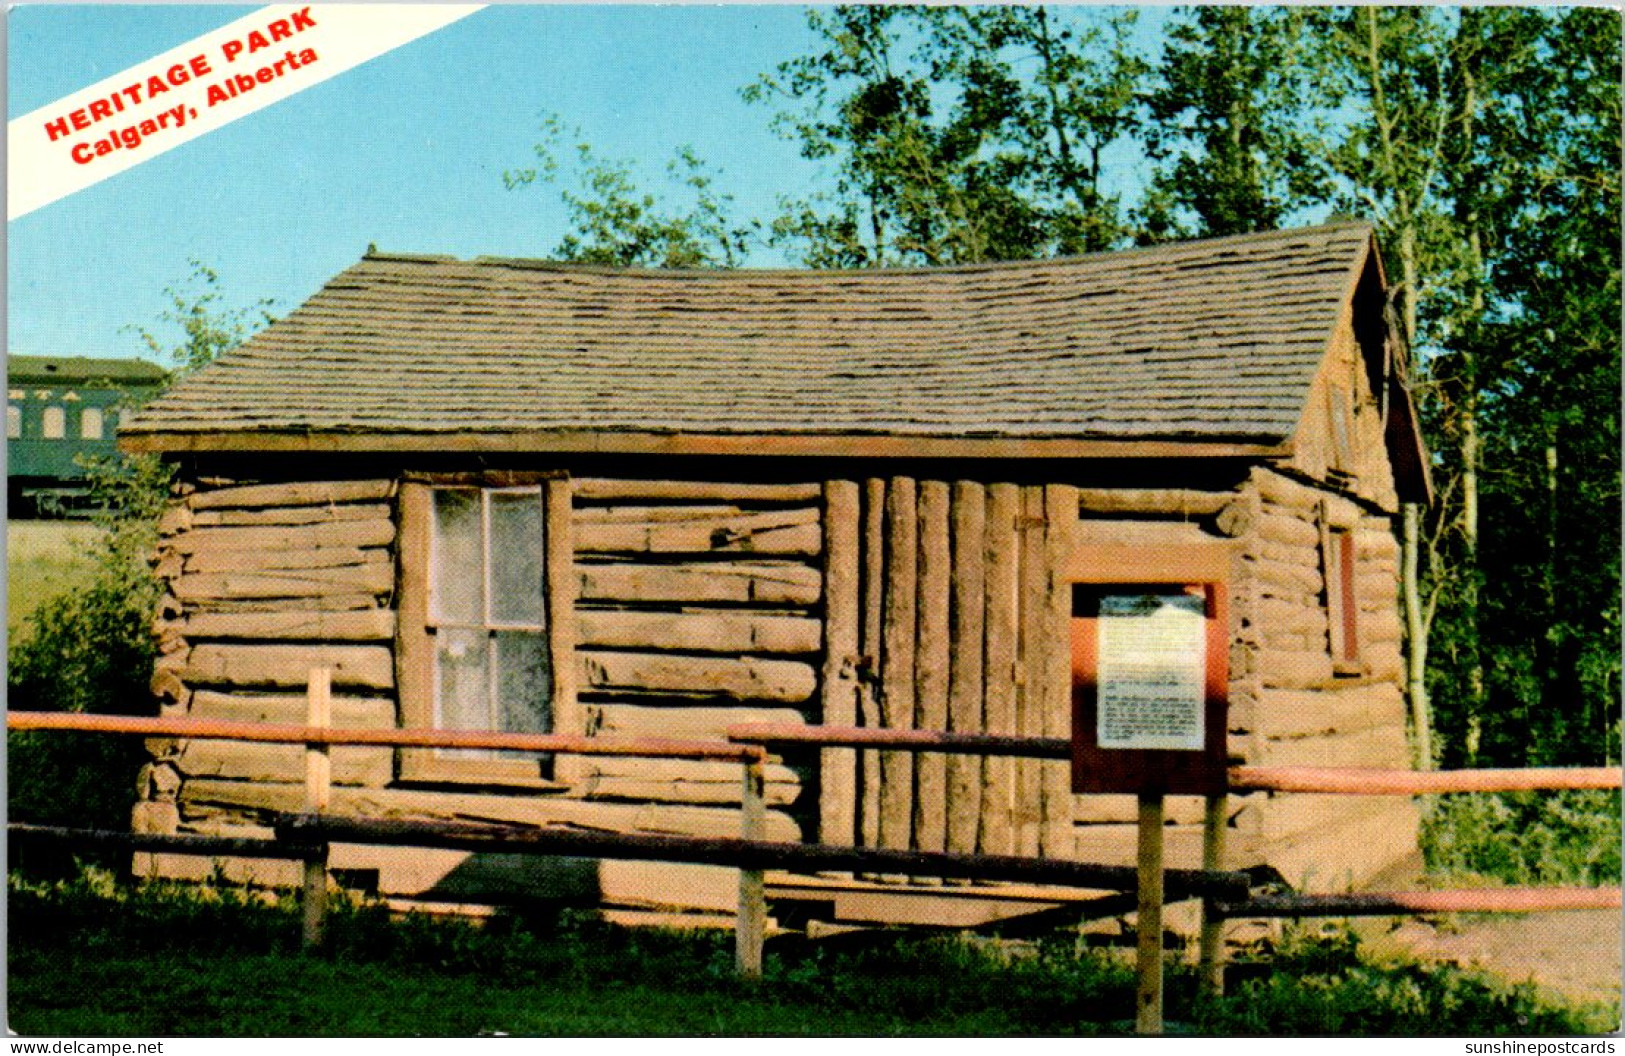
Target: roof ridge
point(580, 267)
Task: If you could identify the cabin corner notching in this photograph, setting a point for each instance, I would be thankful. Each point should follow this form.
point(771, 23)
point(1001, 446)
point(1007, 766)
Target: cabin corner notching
point(663, 503)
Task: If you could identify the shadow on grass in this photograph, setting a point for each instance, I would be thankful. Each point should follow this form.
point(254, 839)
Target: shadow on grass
point(89, 956)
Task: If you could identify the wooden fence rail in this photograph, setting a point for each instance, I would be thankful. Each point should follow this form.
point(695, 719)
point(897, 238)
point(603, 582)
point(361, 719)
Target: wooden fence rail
point(1224, 894)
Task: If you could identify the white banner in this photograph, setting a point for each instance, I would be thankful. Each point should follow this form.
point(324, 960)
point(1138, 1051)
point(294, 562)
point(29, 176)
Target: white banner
point(205, 84)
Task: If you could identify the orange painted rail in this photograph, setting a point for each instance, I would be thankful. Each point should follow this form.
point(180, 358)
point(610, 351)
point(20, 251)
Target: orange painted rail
point(1369, 781)
point(1375, 782)
point(210, 729)
point(785, 733)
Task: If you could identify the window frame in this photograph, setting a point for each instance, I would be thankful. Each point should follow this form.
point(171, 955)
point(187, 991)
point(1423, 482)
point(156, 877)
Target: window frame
point(1339, 569)
point(415, 633)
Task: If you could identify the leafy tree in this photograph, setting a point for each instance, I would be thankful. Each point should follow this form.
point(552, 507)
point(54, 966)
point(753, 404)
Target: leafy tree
point(208, 328)
point(1236, 123)
point(957, 134)
point(614, 223)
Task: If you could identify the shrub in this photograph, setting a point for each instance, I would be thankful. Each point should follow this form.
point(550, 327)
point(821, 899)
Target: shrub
point(91, 651)
point(1526, 837)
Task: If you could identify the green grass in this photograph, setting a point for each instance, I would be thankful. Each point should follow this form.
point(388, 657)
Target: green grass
point(90, 957)
point(44, 559)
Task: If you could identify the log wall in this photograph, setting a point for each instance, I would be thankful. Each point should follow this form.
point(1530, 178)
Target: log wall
point(891, 602)
point(699, 606)
point(960, 608)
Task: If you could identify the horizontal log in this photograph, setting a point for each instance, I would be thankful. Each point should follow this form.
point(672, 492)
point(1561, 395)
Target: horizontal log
point(735, 678)
point(248, 666)
point(274, 560)
point(1298, 556)
point(352, 626)
point(243, 761)
point(1284, 713)
point(1394, 782)
point(1384, 626)
point(177, 517)
point(300, 493)
point(1377, 546)
point(1279, 491)
point(678, 781)
point(903, 740)
point(1288, 531)
point(286, 537)
point(763, 583)
point(1289, 617)
point(1378, 746)
point(758, 854)
point(1410, 903)
point(179, 843)
point(291, 583)
point(590, 489)
point(1284, 579)
point(487, 806)
point(684, 723)
point(1293, 668)
point(716, 631)
point(291, 515)
point(703, 531)
point(1183, 502)
point(345, 602)
point(349, 713)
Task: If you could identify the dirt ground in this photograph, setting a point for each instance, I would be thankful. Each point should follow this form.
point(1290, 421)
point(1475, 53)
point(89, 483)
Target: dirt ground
point(1575, 954)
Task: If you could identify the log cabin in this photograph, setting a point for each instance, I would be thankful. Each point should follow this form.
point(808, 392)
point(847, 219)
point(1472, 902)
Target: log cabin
point(523, 495)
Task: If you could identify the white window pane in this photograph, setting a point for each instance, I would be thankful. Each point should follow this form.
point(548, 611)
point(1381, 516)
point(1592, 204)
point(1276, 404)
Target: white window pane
point(522, 682)
point(54, 423)
point(14, 422)
point(516, 558)
point(463, 670)
point(457, 576)
point(90, 423)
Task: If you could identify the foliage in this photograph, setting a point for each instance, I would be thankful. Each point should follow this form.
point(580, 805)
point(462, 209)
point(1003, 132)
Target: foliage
point(227, 963)
point(92, 650)
point(1526, 838)
point(208, 327)
point(1316, 981)
point(957, 134)
point(614, 223)
point(1233, 123)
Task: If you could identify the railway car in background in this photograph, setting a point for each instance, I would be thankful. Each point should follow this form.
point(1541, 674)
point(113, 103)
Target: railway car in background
point(57, 409)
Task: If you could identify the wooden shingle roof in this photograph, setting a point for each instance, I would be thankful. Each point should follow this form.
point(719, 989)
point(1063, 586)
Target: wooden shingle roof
point(1214, 341)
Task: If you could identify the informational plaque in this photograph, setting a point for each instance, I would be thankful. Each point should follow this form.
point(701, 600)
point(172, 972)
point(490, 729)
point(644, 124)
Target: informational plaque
point(1152, 672)
point(1150, 678)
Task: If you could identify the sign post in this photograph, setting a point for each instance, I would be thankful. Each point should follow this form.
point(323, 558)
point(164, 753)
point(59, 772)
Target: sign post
point(1150, 675)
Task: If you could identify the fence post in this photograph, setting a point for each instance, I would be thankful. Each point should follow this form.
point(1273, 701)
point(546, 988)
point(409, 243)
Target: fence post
point(751, 928)
point(1211, 943)
point(318, 787)
point(1148, 957)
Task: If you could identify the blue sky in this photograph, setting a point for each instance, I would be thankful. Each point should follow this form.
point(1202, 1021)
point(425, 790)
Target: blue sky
point(406, 151)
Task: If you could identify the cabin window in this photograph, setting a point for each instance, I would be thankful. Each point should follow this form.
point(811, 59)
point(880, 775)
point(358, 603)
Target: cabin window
point(14, 422)
point(476, 647)
point(54, 423)
point(90, 423)
point(1342, 599)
